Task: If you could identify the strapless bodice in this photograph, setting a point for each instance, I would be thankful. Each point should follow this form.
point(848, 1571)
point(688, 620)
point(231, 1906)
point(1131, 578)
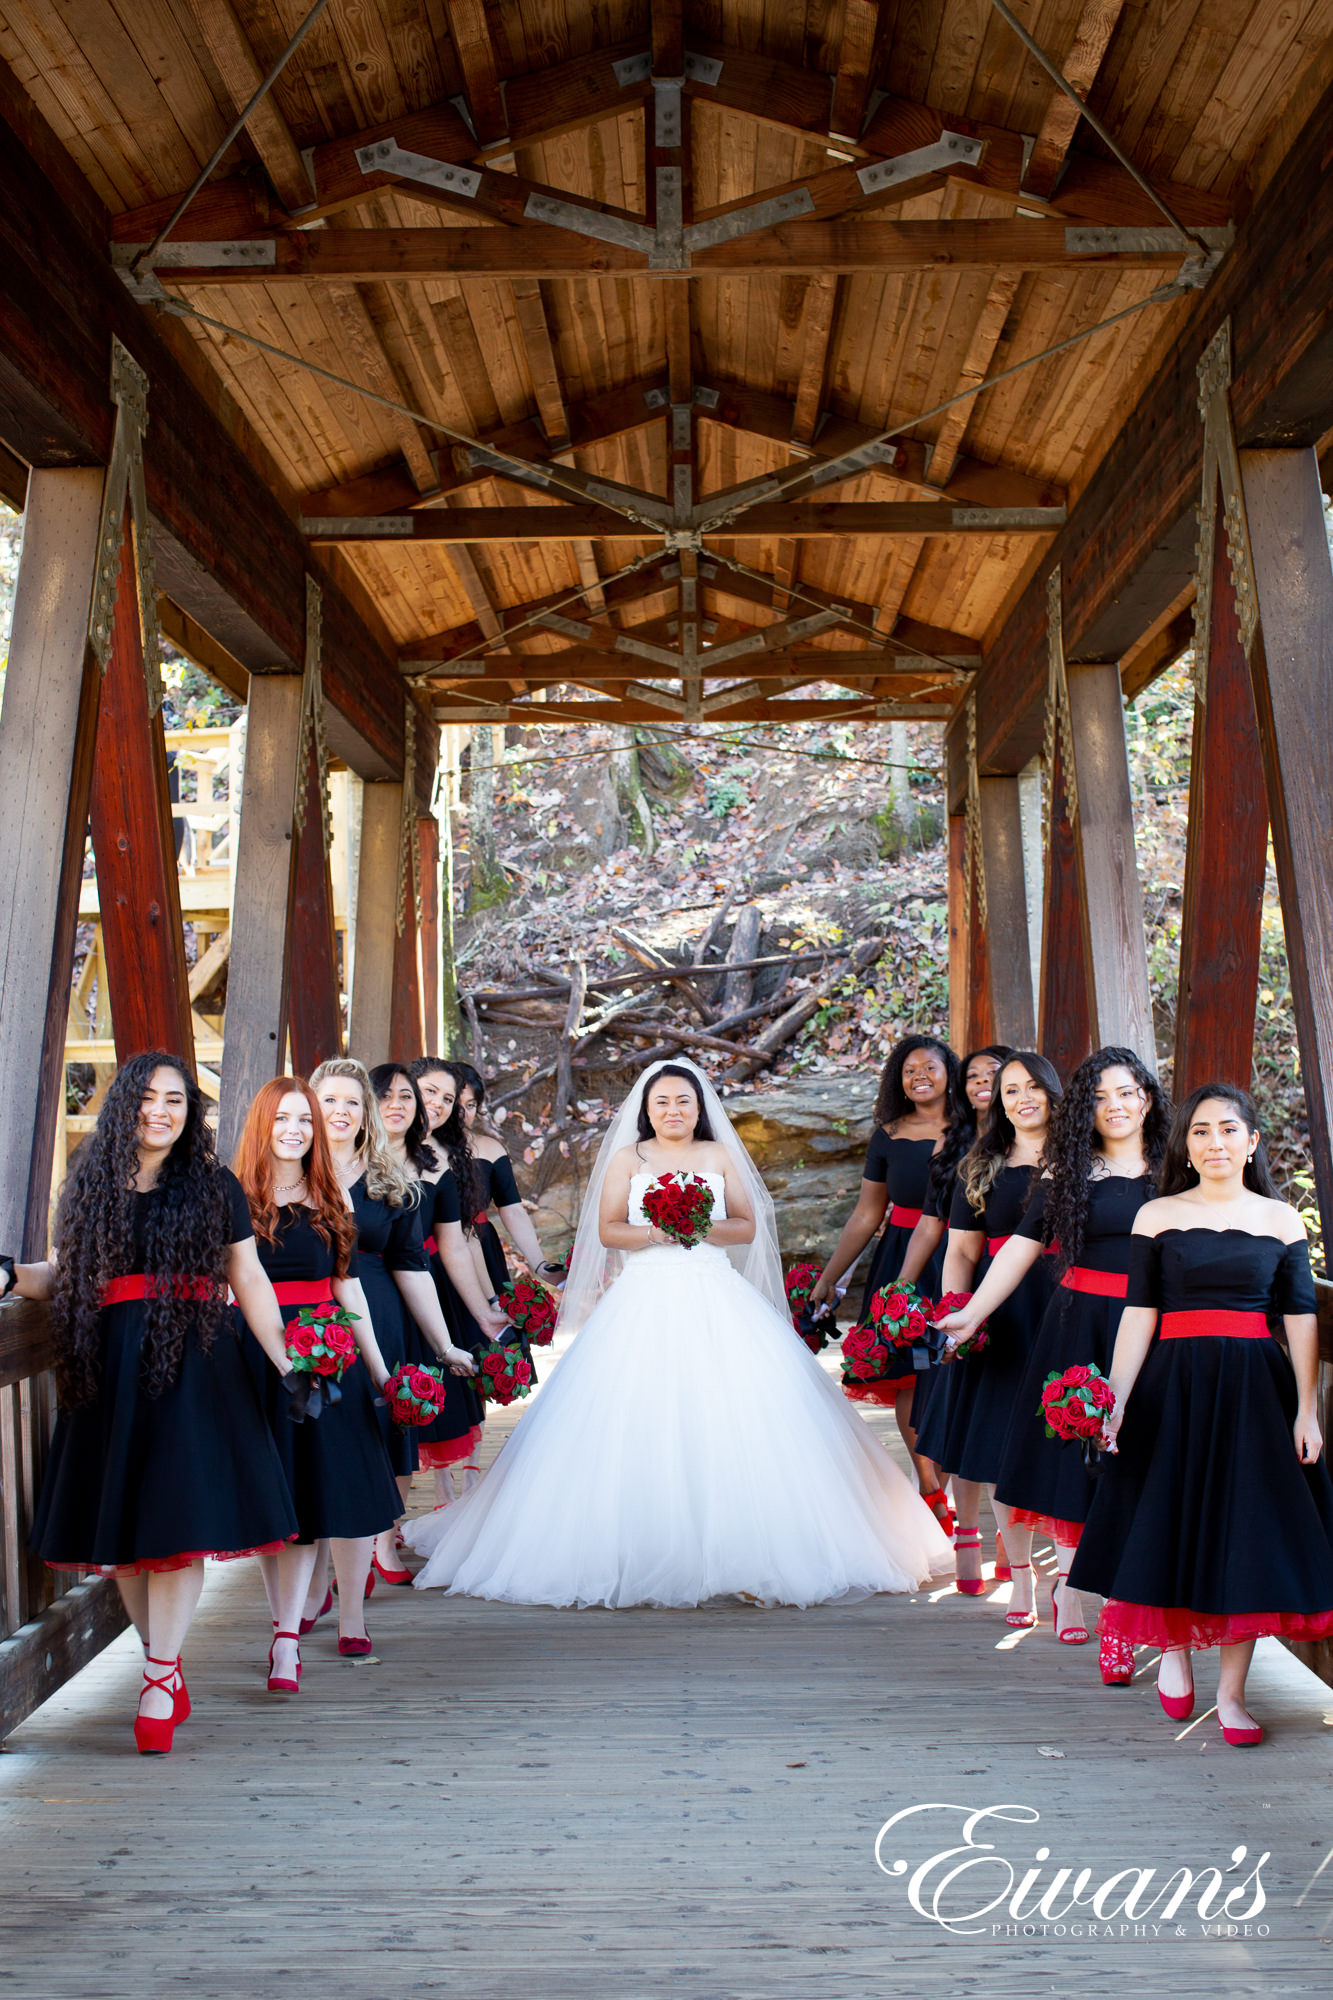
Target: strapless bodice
point(640, 1183)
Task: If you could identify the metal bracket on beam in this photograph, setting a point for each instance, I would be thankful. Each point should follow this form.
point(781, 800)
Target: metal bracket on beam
point(590, 222)
point(677, 539)
point(668, 125)
point(359, 527)
point(768, 214)
point(951, 149)
point(703, 69)
point(237, 253)
point(1197, 267)
point(488, 461)
point(386, 156)
point(1003, 518)
point(852, 462)
point(721, 509)
point(633, 69)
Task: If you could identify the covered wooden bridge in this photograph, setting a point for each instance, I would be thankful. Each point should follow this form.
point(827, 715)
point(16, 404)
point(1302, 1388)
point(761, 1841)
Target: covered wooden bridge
point(438, 365)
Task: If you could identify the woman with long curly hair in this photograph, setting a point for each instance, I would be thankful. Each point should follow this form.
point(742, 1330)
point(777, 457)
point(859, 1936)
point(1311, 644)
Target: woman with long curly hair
point(496, 1187)
point(337, 1467)
point(913, 1113)
point(974, 1399)
point(1104, 1155)
point(1213, 1522)
point(161, 1454)
point(395, 1270)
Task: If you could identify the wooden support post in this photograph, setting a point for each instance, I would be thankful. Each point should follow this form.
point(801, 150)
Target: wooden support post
point(46, 750)
point(980, 1015)
point(1112, 896)
point(315, 1004)
point(137, 882)
point(428, 856)
point(1227, 845)
point(257, 972)
point(1014, 1015)
point(1064, 1012)
point(406, 1041)
point(377, 891)
point(958, 951)
point(1291, 662)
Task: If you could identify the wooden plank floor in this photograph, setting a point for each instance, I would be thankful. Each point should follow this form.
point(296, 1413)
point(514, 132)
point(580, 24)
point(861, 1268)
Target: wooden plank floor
point(518, 1801)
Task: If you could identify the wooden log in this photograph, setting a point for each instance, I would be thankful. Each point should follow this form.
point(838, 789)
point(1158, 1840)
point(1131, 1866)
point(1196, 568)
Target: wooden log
point(1015, 1021)
point(958, 945)
point(739, 984)
point(137, 881)
point(1064, 1012)
point(1112, 894)
point(564, 1068)
point(1226, 849)
point(314, 1003)
point(47, 734)
point(1291, 663)
point(766, 1046)
point(662, 968)
point(210, 966)
point(376, 901)
point(257, 985)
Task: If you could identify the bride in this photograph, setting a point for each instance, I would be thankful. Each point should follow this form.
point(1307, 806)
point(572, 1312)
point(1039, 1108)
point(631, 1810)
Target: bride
point(688, 1445)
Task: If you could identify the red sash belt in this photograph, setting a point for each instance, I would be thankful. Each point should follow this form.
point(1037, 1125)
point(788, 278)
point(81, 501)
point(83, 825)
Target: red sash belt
point(304, 1291)
point(1106, 1284)
point(1215, 1324)
point(479, 1218)
point(994, 1245)
point(139, 1286)
point(904, 1218)
point(431, 1247)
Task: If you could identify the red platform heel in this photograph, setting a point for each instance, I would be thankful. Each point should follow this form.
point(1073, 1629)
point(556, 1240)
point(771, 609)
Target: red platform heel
point(1003, 1573)
point(153, 1733)
point(968, 1538)
point(938, 1502)
point(1021, 1621)
point(180, 1696)
point(1115, 1657)
point(278, 1683)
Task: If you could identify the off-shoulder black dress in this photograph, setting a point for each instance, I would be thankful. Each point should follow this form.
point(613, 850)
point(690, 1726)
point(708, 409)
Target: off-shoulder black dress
point(337, 1466)
point(1206, 1529)
point(974, 1400)
point(1044, 1479)
point(392, 1239)
point(902, 1167)
point(455, 1434)
point(140, 1482)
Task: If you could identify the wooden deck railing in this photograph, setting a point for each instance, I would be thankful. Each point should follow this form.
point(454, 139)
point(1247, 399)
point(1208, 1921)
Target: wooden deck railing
point(48, 1637)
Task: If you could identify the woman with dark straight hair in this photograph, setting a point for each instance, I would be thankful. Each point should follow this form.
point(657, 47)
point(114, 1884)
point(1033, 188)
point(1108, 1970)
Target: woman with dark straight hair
point(161, 1454)
point(1213, 1522)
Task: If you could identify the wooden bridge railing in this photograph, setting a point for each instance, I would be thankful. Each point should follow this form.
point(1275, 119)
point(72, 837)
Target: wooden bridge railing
point(47, 1637)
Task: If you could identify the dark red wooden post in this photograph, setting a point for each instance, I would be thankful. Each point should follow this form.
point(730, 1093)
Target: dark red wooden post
point(428, 856)
point(959, 954)
point(980, 1010)
point(1224, 860)
point(314, 1006)
point(1065, 1009)
point(137, 881)
point(405, 1036)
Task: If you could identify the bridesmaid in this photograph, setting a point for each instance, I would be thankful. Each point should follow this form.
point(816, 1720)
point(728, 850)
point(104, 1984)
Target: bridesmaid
point(974, 1400)
point(395, 1268)
point(912, 1117)
point(161, 1453)
point(337, 1467)
point(1213, 1523)
point(1103, 1154)
point(497, 1188)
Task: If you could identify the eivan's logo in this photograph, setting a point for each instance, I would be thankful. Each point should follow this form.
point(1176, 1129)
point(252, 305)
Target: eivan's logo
point(973, 1887)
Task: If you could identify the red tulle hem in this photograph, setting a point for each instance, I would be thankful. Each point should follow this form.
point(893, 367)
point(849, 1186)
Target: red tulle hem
point(1065, 1534)
point(164, 1565)
point(452, 1451)
point(1172, 1626)
point(884, 1390)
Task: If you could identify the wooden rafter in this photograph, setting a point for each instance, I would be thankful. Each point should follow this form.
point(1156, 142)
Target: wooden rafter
point(851, 86)
point(1083, 59)
point(806, 521)
point(476, 55)
point(239, 76)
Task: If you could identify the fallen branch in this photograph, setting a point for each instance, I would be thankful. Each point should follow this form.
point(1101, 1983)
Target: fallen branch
point(657, 975)
point(661, 966)
point(766, 1046)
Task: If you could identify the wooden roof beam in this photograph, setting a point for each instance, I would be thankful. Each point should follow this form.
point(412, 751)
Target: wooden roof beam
point(866, 708)
point(856, 62)
point(240, 75)
point(1080, 65)
point(596, 668)
point(806, 520)
point(471, 38)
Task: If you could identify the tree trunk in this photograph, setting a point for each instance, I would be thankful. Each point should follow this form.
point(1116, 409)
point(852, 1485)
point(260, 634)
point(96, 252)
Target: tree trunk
point(486, 880)
point(627, 783)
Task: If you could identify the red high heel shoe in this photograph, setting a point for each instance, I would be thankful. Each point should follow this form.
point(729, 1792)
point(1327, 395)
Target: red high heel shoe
point(1068, 1635)
point(968, 1538)
point(181, 1699)
point(1115, 1657)
point(354, 1649)
point(278, 1683)
point(389, 1575)
point(938, 1502)
point(1003, 1573)
point(153, 1733)
point(1021, 1621)
point(1180, 1707)
point(309, 1624)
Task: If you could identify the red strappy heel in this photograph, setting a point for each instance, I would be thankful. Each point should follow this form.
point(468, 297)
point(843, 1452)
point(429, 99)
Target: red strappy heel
point(309, 1624)
point(938, 1502)
point(181, 1698)
point(1003, 1573)
point(968, 1538)
point(153, 1733)
point(1021, 1621)
point(278, 1683)
point(1068, 1635)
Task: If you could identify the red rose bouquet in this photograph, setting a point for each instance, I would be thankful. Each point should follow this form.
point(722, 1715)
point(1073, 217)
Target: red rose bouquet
point(414, 1395)
point(898, 1320)
point(814, 1324)
point(321, 1348)
point(977, 1341)
point(504, 1375)
point(1076, 1404)
point(681, 1206)
point(531, 1309)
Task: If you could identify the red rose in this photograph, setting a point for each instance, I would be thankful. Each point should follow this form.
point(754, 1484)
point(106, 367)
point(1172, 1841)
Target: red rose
point(916, 1324)
point(494, 1364)
point(863, 1371)
point(1074, 1378)
point(897, 1304)
point(339, 1340)
point(1051, 1393)
point(328, 1310)
point(522, 1371)
point(326, 1365)
point(1103, 1395)
point(302, 1340)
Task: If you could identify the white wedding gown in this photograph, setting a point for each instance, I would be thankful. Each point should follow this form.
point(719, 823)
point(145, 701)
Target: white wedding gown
point(688, 1446)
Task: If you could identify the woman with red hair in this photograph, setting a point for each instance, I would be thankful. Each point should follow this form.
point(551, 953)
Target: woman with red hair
point(338, 1470)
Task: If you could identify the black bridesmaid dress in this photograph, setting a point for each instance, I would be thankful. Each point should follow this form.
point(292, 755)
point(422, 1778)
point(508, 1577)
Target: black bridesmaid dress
point(455, 1434)
point(902, 1166)
point(337, 1465)
point(1206, 1528)
point(499, 1189)
point(1044, 1479)
point(392, 1239)
point(975, 1398)
point(140, 1482)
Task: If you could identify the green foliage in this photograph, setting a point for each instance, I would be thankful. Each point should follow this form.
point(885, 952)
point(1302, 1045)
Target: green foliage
point(723, 795)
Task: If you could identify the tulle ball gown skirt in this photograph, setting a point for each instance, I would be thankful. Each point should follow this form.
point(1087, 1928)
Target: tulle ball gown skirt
point(687, 1447)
